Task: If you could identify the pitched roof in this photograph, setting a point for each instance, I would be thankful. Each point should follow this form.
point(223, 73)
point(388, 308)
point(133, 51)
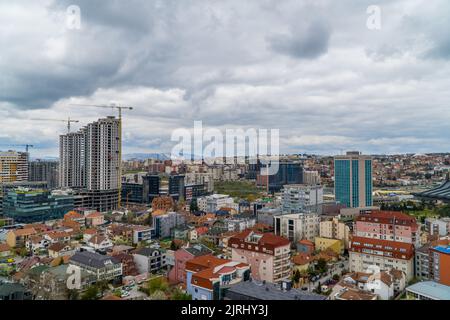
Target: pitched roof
point(94, 215)
point(24, 232)
point(301, 259)
point(58, 246)
point(92, 259)
point(4, 247)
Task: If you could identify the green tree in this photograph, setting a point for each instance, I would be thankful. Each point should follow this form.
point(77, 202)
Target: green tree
point(91, 293)
point(193, 206)
point(180, 295)
point(321, 266)
point(157, 284)
point(296, 276)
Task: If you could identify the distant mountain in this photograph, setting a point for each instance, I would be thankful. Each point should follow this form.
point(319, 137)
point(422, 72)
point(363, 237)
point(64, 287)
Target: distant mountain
point(44, 158)
point(144, 156)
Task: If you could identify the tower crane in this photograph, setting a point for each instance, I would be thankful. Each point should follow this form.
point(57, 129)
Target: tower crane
point(119, 108)
point(27, 146)
point(69, 121)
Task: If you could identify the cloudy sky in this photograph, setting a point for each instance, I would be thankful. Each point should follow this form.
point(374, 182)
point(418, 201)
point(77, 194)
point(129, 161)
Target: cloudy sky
point(311, 69)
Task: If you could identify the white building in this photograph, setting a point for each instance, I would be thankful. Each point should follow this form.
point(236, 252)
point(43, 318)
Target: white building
point(298, 198)
point(214, 202)
point(311, 178)
point(439, 227)
point(297, 226)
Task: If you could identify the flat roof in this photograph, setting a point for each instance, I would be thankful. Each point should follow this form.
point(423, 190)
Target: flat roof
point(443, 249)
point(431, 289)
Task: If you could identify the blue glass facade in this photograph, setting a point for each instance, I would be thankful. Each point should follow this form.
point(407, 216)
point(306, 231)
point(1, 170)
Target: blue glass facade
point(348, 182)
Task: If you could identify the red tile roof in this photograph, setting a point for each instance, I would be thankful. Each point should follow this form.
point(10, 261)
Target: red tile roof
point(394, 249)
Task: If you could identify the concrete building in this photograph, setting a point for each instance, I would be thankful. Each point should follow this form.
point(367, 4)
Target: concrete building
point(215, 202)
point(44, 171)
point(428, 290)
point(178, 273)
point(268, 255)
point(439, 227)
point(89, 161)
point(441, 264)
point(298, 198)
point(311, 178)
point(353, 180)
point(13, 166)
point(298, 226)
point(335, 229)
point(104, 268)
point(165, 223)
point(149, 260)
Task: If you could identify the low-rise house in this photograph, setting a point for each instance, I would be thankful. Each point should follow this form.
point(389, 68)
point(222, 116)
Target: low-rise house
point(305, 246)
point(128, 265)
point(149, 259)
point(104, 268)
point(36, 244)
point(324, 244)
point(100, 243)
point(120, 232)
point(301, 262)
point(142, 233)
point(58, 236)
point(208, 276)
point(88, 234)
point(95, 219)
point(5, 250)
point(75, 216)
point(14, 291)
point(354, 294)
point(59, 249)
point(18, 237)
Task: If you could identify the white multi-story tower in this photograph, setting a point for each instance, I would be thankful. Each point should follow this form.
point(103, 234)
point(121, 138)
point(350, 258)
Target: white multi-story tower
point(13, 166)
point(298, 198)
point(72, 160)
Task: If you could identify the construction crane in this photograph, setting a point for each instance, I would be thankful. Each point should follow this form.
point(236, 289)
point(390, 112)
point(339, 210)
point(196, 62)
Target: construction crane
point(69, 121)
point(27, 146)
point(118, 108)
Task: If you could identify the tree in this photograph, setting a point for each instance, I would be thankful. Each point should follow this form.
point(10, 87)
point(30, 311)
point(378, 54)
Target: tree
point(321, 265)
point(180, 295)
point(91, 293)
point(158, 295)
point(72, 294)
point(157, 284)
point(193, 206)
point(296, 276)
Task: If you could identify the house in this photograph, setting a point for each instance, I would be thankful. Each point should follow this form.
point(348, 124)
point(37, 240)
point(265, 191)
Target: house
point(178, 273)
point(17, 238)
point(149, 259)
point(5, 250)
point(36, 244)
point(99, 242)
point(102, 267)
point(120, 232)
point(58, 236)
point(142, 233)
point(59, 249)
point(208, 276)
point(95, 219)
point(75, 216)
point(128, 265)
point(354, 294)
point(88, 234)
point(302, 262)
point(305, 246)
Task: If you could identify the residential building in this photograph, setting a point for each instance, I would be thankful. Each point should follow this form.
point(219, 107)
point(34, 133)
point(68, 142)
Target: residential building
point(441, 264)
point(18, 237)
point(311, 178)
point(95, 219)
point(164, 223)
point(335, 229)
point(297, 226)
point(365, 252)
point(14, 291)
point(100, 243)
point(215, 202)
point(324, 244)
point(149, 260)
point(298, 198)
point(387, 225)
point(142, 233)
point(266, 215)
point(176, 187)
point(207, 277)
point(104, 268)
point(267, 254)
point(13, 166)
point(353, 180)
point(305, 247)
point(178, 273)
point(439, 227)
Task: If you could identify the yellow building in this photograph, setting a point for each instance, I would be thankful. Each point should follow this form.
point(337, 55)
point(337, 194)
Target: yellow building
point(323, 244)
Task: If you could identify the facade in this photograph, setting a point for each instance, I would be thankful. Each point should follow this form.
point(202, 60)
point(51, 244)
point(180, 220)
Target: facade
point(215, 202)
point(104, 268)
point(441, 264)
point(176, 187)
point(149, 260)
point(386, 225)
point(298, 226)
point(289, 172)
point(366, 252)
point(143, 192)
point(44, 171)
point(301, 198)
point(353, 180)
point(208, 276)
point(268, 255)
point(335, 229)
point(311, 178)
point(27, 206)
point(428, 290)
point(324, 244)
point(13, 166)
point(178, 272)
point(439, 227)
point(164, 224)
point(89, 161)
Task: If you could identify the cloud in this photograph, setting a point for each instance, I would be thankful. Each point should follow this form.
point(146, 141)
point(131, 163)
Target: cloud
point(309, 68)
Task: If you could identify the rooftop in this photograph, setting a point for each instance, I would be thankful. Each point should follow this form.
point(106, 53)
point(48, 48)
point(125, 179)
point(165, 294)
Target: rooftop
point(431, 289)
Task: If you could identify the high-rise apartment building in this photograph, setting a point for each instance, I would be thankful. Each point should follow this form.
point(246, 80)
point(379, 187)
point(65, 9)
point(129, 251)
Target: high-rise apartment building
point(13, 166)
point(176, 186)
point(44, 171)
point(297, 226)
point(353, 180)
point(90, 162)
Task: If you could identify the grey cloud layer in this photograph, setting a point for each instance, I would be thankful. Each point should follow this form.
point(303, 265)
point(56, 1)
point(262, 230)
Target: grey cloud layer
point(310, 68)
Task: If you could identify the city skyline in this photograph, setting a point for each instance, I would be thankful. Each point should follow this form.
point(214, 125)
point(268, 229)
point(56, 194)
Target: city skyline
point(328, 82)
